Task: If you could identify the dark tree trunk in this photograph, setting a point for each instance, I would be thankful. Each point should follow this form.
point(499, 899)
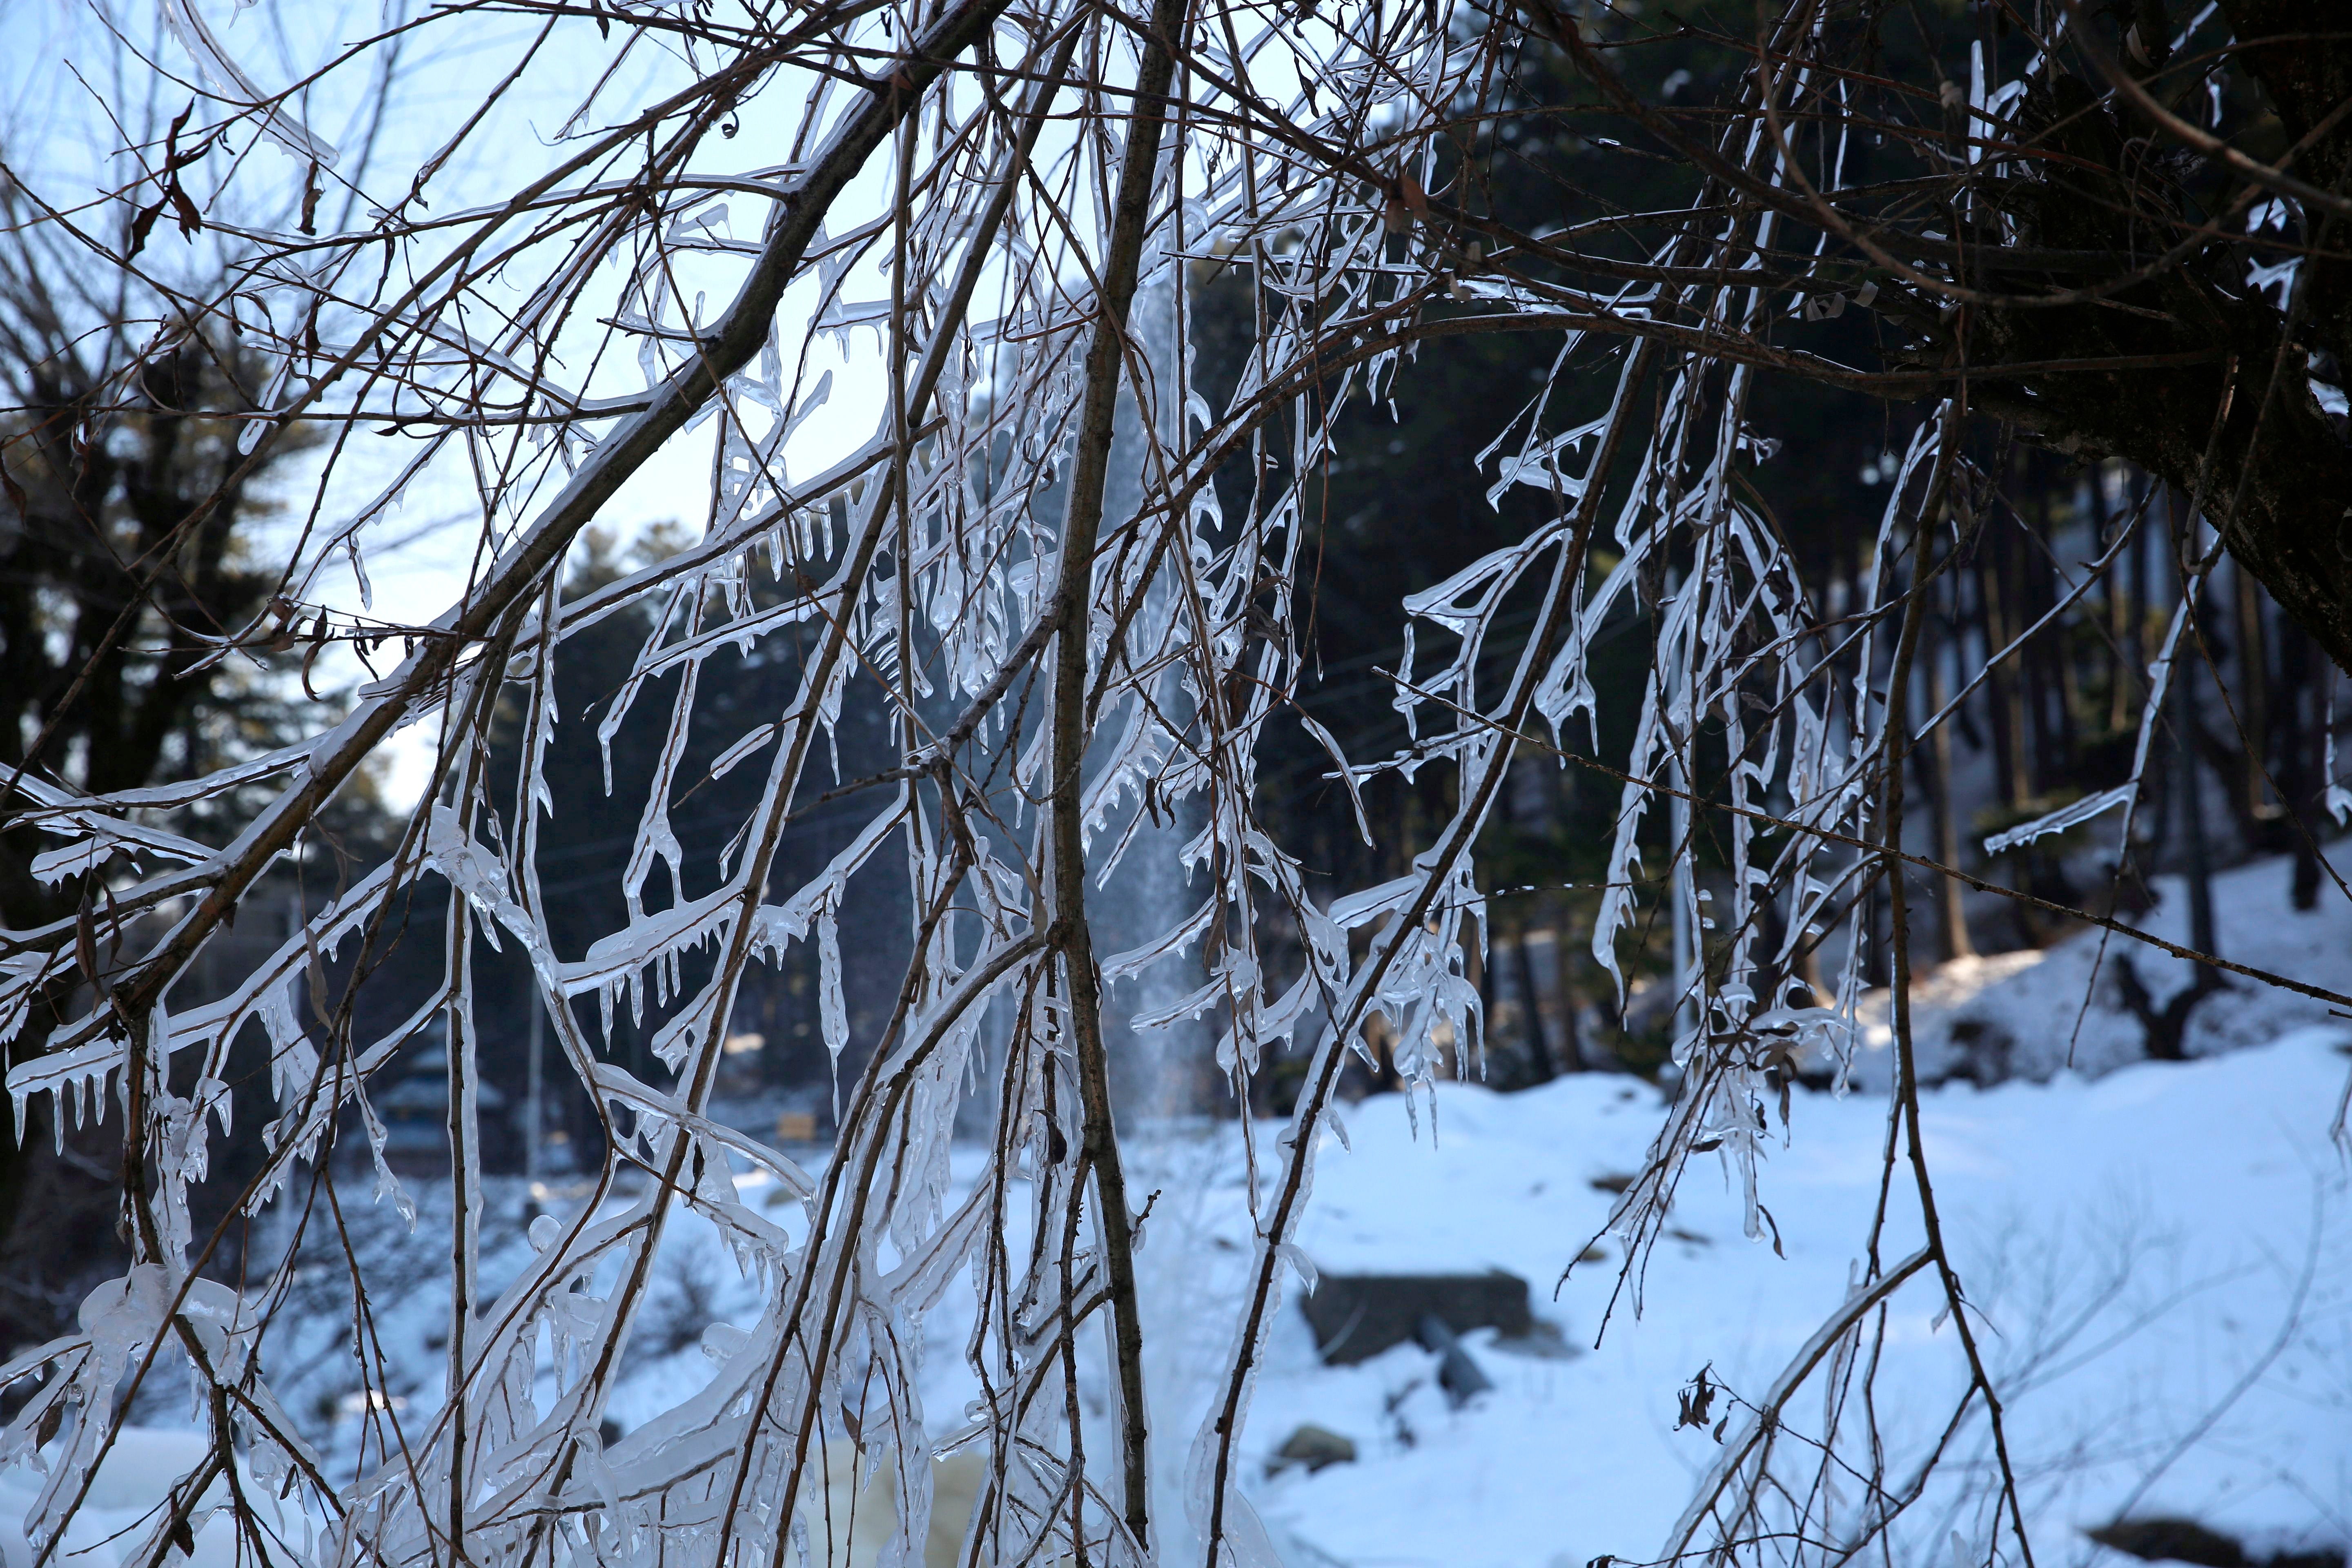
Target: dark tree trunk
point(2255, 700)
point(2053, 662)
point(2116, 600)
point(1935, 766)
point(2136, 607)
point(2198, 866)
point(1531, 1000)
point(2164, 1030)
point(1571, 1032)
point(2000, 683)
point(2300, 747)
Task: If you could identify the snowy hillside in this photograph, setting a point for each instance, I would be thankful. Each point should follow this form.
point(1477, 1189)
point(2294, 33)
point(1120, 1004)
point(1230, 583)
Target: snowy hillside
point(2022, 1014)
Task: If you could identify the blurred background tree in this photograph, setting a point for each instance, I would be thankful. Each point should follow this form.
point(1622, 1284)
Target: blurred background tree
point(1407, 502)
point(127, 539)
point(128, 551)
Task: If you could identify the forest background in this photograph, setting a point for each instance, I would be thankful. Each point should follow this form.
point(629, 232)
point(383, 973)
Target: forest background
point(1401, 505)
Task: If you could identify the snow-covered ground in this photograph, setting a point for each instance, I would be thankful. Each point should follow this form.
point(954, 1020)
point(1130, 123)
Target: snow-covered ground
point(2162, 1257)
point(2138, 1245)
point(2021, 1014)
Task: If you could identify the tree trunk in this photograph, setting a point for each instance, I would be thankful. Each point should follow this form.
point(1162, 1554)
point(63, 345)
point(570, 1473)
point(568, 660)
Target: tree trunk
point(2135, 605)
point(2298, 721)
point(2001, 682)
point(1935, 766)
point(2200, 864)
point(2254, 703)
point(1571, 1033)
point(1531, 1000)
point(2055, 702)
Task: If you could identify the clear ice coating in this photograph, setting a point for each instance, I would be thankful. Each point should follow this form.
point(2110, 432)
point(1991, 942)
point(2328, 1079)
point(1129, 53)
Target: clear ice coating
point(911, 567)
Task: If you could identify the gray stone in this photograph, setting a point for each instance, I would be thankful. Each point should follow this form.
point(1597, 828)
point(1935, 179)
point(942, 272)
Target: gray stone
point(1457, 1373)
point(1357, 1316)
point(1313, 1447)
point(1544, 1341)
